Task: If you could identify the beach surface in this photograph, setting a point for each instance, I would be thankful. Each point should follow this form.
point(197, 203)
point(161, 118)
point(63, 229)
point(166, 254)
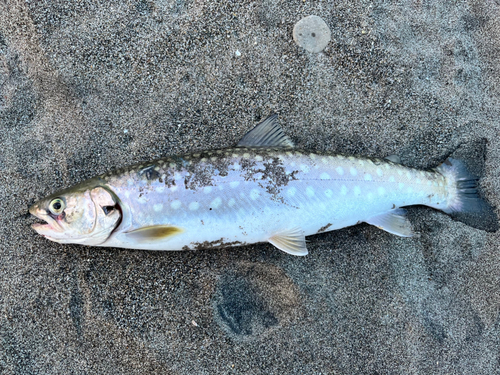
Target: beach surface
point(86, 86)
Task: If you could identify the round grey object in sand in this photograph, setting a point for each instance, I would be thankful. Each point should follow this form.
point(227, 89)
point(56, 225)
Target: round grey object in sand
point(312, 34)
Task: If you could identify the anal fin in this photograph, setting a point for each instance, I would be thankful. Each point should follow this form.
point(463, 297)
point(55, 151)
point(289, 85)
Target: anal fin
point(394, 221)
point(153, 233)
point(291, 241)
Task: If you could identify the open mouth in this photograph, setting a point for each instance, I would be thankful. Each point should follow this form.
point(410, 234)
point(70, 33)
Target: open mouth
point(46, 224)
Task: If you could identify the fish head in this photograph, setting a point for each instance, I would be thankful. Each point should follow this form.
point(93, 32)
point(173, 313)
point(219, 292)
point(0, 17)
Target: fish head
point(81, 214)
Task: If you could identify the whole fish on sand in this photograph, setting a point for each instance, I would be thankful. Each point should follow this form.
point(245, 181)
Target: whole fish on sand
point(262, 190)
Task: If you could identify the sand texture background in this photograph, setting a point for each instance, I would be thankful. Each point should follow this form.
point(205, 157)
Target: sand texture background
point(90, 85)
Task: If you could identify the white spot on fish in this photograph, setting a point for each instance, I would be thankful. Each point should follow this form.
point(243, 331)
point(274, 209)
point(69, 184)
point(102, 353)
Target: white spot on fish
point(353, 171)
point(157, 169)
point(408, 175)
point(158, 207)
point(369, 196)
point(291, 192)
point(418, 180)
point(392, 179)
point(203, 160)
point(361, 162)
point(440, 184)
point(340, 170)
point(368, 177)
point(246, 155)
point(324, 160)
point(343, 190)
point(234, 184)
point(258, 158)
point(142, 199)
point(379, 172)
point(236, 166)
point(304, 168)
point(193, 206)
point(231, 202)
point(177, 176)
point(235, 155)
point(401, 185)
point(130, 182)
point(216, 203)
point(207, 189)
point(171, 165)
point(340, 157)
point(312, 156)
point(410, 190)
point(357, 190)
point(160, 189)
point(254, 194)
point(176, 204)
point(381, 191)
point(310, 192)
point(429, 183)
point(173, 188)
point(400, 172)
point(324, 176)
point(127, 193)
point(213, 158)
point(328, 193)
point(292, 164)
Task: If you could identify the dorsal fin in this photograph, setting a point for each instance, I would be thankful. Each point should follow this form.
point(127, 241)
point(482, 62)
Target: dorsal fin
point(266, 134)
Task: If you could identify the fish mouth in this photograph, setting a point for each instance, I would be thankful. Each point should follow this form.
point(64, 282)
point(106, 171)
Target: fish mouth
point(48, 224)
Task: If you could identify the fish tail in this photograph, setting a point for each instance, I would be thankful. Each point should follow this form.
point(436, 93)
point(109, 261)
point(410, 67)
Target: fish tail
point(464, 201)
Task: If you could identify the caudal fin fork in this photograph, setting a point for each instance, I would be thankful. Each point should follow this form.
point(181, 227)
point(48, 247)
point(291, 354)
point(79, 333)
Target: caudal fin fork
point(464, 201)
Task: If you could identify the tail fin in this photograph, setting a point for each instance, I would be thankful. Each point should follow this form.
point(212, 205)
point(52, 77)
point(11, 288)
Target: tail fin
point(465, 203)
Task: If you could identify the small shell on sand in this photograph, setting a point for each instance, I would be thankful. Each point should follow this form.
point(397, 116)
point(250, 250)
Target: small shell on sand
point(312, 34)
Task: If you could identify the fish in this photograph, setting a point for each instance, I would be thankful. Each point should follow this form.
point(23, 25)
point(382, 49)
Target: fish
point(262, 190)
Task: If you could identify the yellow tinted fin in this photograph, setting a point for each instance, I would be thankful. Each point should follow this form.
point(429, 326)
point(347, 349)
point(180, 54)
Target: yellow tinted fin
point(154, 233)
point(394, 221)
point(290, 241)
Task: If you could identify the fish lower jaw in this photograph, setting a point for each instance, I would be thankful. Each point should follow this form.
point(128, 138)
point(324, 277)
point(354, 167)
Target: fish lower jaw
point(45, 229)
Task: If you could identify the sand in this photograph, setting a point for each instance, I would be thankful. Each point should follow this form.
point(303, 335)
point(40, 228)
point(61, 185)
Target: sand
point(90, 85)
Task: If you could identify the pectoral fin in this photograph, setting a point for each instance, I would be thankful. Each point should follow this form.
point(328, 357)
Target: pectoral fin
point(394, 221)
point(153, 233)
point(290, 241)
point(266, 134)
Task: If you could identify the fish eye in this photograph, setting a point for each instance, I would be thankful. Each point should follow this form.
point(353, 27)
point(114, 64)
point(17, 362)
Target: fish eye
point(56, 206)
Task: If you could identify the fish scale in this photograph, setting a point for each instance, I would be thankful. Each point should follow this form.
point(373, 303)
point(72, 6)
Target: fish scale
point(264, 190)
